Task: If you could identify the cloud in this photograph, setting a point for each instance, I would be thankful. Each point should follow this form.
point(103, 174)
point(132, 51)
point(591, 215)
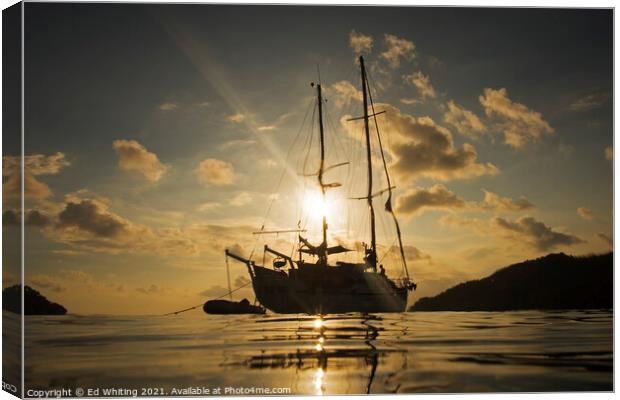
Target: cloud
point(59, 281)
point(589, 102)
point(606, 238)
point(585, 213)
point(32, 218)
point(464, 121)
point(519, 123)
point(536, 233)
point(93, 217)
point(34, 165)
point(420, 147)
point(241, 199)
point(168, 106)
point(397, 48)
point(37, 218)
point(33, 188)
point(237, 143)
point(422, 83)
point(39, 164)
point(215, 291)
point(437, 197)
point(134, 157)
point(46, 282)
point(344, 93)
point(476, 224)
point(236, 118)
point(88, 225)
point(609, 153)
point(409, 101)
point(524, 231)
point(212, 171)
point(152, 289)
point(495, 202)
point(360, 43)
point(208, 206)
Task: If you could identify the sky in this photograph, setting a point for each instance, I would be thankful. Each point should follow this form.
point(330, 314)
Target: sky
point(156, 136)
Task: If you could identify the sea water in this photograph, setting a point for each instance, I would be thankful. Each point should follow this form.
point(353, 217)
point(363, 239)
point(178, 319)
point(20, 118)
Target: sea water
point(429, 352)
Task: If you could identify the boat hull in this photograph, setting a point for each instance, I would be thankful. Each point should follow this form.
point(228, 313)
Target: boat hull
point(326, 290)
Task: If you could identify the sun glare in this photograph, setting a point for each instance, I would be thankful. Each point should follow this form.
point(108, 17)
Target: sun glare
point(316, 207)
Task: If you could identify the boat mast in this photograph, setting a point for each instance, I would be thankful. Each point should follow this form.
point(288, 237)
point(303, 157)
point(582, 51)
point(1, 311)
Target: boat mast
point(323, 248)
point(371, 254)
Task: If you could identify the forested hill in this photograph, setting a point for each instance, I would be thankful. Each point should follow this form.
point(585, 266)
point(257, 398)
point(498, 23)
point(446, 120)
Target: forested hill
point(556, 281)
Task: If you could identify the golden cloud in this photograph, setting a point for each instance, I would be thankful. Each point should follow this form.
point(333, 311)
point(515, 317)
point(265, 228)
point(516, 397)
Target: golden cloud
point(397, 48)
point(134, 157)
point(519, 123)
point(34, 165)
point(464, 121)
point(360, 43)
point(585, 213)
point(343, 93)
point(212, 171)
point(422, 83)
point(495, 202)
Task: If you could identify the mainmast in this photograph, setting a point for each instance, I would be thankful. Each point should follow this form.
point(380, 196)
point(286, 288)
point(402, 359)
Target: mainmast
point(371, 253)
point(323, 248)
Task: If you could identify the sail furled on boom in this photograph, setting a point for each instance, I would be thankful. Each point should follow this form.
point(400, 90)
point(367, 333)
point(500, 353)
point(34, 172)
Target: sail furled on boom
point(309, 248)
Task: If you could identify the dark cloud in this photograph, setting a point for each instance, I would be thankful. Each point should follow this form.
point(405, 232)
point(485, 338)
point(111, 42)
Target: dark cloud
point(33, 218)
point(536, 233)
point(437, 197)
point(11, 218)
point(420, 147)
point(92, 216)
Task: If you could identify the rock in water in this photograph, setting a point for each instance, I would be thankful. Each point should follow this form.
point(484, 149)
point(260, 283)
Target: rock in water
point(34, 302)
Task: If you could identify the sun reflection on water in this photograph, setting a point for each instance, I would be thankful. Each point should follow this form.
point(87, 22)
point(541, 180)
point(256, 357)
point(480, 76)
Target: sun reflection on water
point(318, 381)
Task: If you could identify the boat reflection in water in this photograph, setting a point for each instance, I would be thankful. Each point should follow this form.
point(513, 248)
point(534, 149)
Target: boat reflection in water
point(322, 352)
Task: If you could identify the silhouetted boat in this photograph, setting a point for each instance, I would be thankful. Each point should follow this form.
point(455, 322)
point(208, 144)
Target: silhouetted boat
point(316, 287)
point(231, 307)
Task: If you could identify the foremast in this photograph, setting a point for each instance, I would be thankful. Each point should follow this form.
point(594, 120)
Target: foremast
point(371, 252)
point(322, 253)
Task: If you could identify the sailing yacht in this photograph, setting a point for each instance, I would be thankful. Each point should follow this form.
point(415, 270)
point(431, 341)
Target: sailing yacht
point(317, 287)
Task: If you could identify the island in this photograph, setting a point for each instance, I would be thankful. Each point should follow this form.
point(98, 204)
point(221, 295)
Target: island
point(34, 302)
point(553, 282)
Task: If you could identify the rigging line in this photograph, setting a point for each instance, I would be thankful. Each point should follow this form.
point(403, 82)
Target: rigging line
point(335, 138)
point(387, 175)
point(288, 153)
point(388, 252)
point(198, 305)
point(309, 147)
point(284, 169)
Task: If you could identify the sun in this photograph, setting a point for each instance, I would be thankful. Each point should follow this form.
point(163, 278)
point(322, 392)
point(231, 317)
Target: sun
point(316, 207)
